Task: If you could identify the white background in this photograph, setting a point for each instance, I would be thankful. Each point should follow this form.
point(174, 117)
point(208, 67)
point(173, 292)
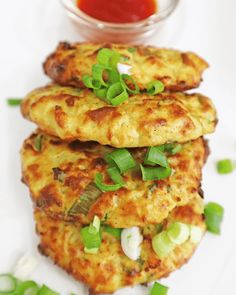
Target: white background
point(29, 30)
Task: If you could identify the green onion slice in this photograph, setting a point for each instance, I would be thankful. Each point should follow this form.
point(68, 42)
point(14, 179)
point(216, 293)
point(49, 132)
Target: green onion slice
point(87, 199)
point(7, 283)
point(114, 173)
point(105, 187)
point(27, 288)
point(158, 289)
point(116, 232)
point(195, 234)
point(122, 159)
point(155, 87)
point(214, 216)
point(95, 226)
point(155, 156)
point(44, 290)
point(178, 232)
point(91, 250)
point(98, 72)
point(127, 78)
point(38, 143)
point(116, 94)
point(162, 245)
point(91, 240)
point(89, 82)
point(172, 148)
point(14, 101)
point(225, 166)
point(155, 173)
point(108, 57)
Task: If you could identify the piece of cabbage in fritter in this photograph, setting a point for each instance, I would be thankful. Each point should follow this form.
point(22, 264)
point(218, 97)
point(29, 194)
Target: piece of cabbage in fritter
point(60, 177)
point(110, 269)
point(177, 70)
point(142, 120)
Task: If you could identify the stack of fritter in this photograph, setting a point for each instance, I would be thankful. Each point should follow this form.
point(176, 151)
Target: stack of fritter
point(78, 130)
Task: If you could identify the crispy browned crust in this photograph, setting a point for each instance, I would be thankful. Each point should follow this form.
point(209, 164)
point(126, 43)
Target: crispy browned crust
point(142, 120)
point(110, 269)
point(177, 70)
point(134, 204)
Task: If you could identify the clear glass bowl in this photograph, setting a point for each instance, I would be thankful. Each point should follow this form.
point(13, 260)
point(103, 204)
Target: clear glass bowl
point(96, 30)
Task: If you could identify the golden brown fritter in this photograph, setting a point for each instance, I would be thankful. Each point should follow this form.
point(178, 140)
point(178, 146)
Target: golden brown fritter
point(110, 269)
point(58, 175)
point(142, 120)
point(177, 70)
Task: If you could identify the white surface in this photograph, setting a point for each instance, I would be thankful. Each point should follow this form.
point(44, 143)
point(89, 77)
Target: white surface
point(30, 30)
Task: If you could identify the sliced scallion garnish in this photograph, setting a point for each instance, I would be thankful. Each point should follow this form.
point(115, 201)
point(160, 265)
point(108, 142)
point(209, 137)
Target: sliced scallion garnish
point(14, 102)
point(45, 290)
point(172, 148)
point(103, 186)
point(89, 196)
point(214, 216)
point(225, 166)
point(122, 159)
point(91, 83)
point(195, 234)
point(178, 232)
point(114, 173)
point(162, 245)
point(155, 156)
point(155, 173)
point(108, 57)
point(38, 143)
point(90, 239)
point(158, 289)
point(7, 284)
point(116, 232)
point(27, 288)
point(116, 94)
point(155, 87)
point(126, 80)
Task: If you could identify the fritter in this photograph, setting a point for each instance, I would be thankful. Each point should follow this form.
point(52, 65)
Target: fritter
point(59, 174)
point(110, 269)
point(177, 70)
point(140, 121)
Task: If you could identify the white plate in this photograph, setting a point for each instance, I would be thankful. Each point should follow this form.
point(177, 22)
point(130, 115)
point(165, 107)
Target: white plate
point(29, 31)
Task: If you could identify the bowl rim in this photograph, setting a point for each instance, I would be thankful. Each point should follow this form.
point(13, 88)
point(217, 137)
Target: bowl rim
point(162, 14)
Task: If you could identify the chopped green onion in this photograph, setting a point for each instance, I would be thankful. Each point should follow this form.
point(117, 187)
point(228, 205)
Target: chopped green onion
point(116, 94)
point(172, 148)
point(178, 233)
point(124, 78)
point(113, 76)
point(44, 290)
point(116, 232)
point(114, 173)
point(122, 159)
point(38, 143)
point(195, 234)
point(155, 173)
point(27, 288)
point(214, 216)
point(155, 156)
point(87, 199)
point(155, 87)
point(225, 166)
point(97, 74)
point(7, 283)
point(14, 101)
point(89, 82)
point(108, 57)
point(162, 245)
point(95, 226)
point(90, 239)
point(105, 187)
point(158, 289)
point(91, 250)
point(132, 49)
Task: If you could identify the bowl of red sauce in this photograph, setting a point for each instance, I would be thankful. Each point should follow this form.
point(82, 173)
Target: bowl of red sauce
point(119, 21)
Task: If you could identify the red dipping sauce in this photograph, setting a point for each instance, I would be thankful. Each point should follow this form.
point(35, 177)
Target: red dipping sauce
point(118, 11)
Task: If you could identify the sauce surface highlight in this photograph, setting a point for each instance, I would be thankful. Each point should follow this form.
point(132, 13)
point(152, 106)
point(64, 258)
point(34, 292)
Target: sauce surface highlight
point(118, 11)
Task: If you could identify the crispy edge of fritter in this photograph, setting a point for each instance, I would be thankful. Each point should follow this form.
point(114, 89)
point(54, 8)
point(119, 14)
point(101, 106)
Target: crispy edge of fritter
point(69, 62)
